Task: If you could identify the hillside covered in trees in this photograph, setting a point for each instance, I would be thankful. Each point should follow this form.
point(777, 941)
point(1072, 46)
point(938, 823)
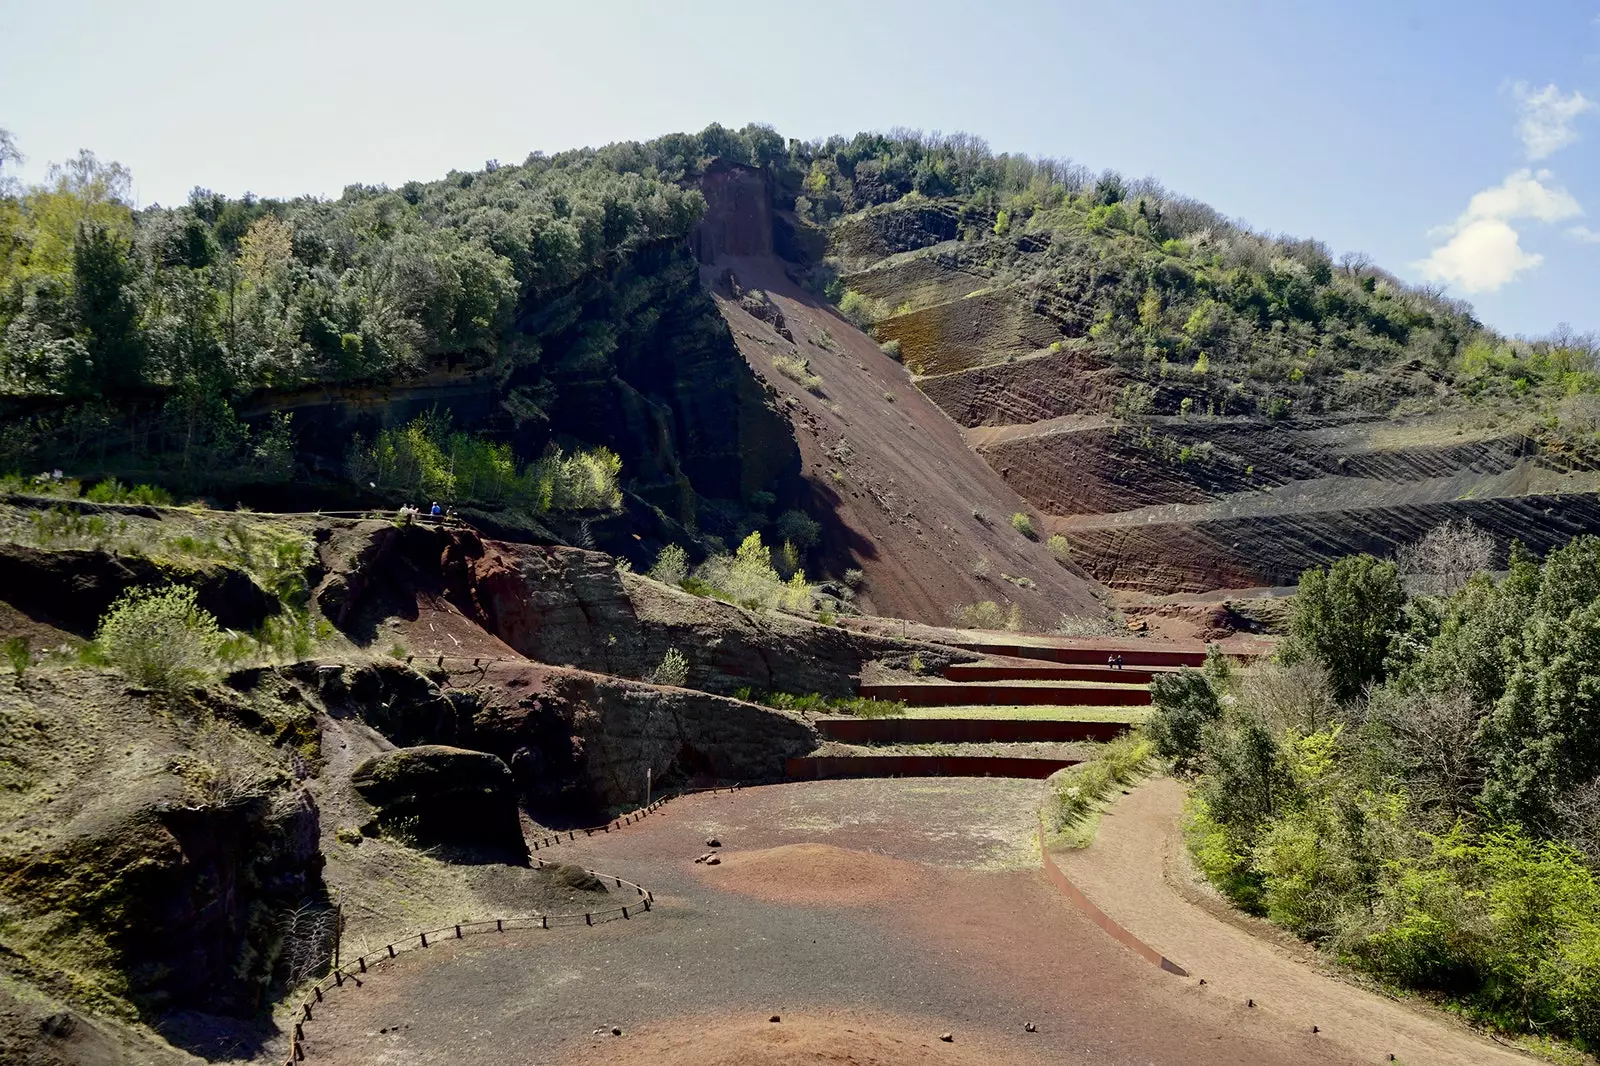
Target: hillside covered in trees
point(556, 304)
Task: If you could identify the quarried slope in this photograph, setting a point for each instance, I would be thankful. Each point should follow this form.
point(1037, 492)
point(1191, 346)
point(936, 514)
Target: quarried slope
point(908, 503)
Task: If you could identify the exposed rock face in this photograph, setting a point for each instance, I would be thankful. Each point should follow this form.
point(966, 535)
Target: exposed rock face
point(570, 607)
point(115, 854)
point(570, 737)
point(436, 795)
point(1203, 551)
point(185, 896)
point(618, 730)
point(738, 218)
point(71, 589)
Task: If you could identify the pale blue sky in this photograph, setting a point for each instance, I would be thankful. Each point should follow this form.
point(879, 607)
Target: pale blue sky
point(1368, 124)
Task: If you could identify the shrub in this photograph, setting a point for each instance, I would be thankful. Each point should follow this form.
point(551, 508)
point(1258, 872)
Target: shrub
point(161, 638)
point(1059, 547)
point(424, 458)
point(797, 370)
point(748, 577)
point(986, 614)
point(866, 707)
point(1074, 793)
point(861, 309)
point(291, 634)
point(798, 527)
point(672, 670)
point(113, 491)
point(1023, 524)
point(854, 578)
point(891, 348)
point(672, 565)
point(19, 654)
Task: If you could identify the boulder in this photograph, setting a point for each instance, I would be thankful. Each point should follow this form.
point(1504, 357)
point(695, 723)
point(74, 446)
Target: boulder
point(438, 796)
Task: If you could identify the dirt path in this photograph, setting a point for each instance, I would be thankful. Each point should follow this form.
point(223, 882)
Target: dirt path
point(1134, 871)
point(871, 916)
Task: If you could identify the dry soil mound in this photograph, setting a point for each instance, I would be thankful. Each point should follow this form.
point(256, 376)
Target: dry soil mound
point(818, 875)
point(795, 1041)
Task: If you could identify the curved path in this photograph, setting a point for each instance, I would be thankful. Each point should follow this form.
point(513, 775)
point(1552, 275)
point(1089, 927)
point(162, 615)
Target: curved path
point(878, 912)
point(1137, 871)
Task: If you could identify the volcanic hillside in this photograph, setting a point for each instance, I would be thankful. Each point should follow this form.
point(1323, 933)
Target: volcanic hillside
point(905, 501)
point(1176, 455)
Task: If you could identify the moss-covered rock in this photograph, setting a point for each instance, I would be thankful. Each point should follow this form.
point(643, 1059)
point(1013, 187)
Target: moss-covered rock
point(437, 796)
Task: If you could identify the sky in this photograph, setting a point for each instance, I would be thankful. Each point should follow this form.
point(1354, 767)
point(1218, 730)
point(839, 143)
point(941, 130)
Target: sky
point(1456, 142)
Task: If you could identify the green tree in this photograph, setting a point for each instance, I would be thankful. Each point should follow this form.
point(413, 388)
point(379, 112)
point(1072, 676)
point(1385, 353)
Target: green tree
point(1346, 616)
point(102, 280)
point(1184, 704)
point(1544, 731)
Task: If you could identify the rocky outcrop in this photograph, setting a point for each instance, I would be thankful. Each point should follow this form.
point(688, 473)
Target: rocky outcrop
point(72, 588)
point(148, 855)
point(437, 796)
point(184, 896)
point(571, 738)
point(620, 731)
point(573, 608)
point(570, 607)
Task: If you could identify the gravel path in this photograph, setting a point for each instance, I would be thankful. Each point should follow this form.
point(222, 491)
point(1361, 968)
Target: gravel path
point(1138, 872)
point(871, 916)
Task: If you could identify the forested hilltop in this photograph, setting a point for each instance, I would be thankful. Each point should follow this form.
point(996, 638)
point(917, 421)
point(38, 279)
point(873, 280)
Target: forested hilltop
point(146, 332)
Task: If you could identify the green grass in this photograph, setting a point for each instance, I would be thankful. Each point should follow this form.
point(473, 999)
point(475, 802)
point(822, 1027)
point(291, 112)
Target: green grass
point(1076, 797)
point(1042, 713)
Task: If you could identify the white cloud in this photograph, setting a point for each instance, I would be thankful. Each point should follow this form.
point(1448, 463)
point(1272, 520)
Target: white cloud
point(1523, 194)
point(1483, 256)
point(1585, 234)
point(1545, 126)
point(1484, 252)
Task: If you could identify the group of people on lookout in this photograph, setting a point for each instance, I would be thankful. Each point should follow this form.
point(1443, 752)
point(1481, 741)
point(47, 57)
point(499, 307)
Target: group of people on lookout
point(1114, 661)
point(439, 514)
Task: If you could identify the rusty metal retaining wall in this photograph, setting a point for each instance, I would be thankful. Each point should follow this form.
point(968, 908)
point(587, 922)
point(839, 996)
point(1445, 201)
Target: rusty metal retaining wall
point(1091, 656)
point(1100, 918)
point(964, 730)
point(937, 695)
point(1047, 672)
point(816, 767)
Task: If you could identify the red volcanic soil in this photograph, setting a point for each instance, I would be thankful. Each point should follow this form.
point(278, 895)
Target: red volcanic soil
point(800, 1040)
point(816, 875)
point(925, 519)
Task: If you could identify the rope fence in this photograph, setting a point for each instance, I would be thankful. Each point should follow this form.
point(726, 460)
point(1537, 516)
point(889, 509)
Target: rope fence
point(643, 900)
point(354, 972)
point(569, 835)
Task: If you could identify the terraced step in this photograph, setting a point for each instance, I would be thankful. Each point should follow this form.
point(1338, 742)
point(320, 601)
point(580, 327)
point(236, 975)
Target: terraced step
point(1048, 672)
point(966, 730)
point(1047, 712)
point(1090, 655)
point(939, 694)
point(816, 767)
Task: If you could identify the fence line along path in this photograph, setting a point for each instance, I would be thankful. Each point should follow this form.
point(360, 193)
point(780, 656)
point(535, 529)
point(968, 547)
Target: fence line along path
point(354, 971)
